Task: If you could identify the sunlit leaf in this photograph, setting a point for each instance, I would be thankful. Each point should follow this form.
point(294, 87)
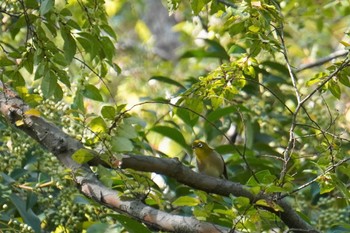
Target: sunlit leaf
point(197, 5)
point(97, 125)
point(32, 112)
point(186, 201)
point(270, 204)
point(82, 156)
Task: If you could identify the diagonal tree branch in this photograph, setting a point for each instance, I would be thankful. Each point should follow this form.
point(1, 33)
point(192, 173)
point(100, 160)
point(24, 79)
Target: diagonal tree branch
point(323, 60)
point(63, 146)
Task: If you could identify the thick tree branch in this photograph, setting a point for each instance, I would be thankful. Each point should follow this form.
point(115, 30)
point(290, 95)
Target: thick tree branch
point(63, 146)
point(174, 168)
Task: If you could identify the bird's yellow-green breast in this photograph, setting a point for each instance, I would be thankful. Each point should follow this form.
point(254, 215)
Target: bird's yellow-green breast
point(209, 161)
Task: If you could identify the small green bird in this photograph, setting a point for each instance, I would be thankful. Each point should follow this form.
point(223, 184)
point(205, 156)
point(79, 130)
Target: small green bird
point(209, 161)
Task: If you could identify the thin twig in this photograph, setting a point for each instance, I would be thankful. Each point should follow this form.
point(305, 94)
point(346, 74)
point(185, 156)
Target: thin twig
point(330, 168)
point(227, 3)
point(280, 33)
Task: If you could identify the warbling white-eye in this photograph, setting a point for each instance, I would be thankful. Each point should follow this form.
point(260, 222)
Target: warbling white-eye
point(209, 161)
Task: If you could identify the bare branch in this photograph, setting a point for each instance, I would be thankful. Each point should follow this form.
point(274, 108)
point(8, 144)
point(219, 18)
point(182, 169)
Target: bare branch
point(321, 61)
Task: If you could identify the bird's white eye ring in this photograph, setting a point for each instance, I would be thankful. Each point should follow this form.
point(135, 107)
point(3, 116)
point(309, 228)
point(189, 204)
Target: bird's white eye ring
point(200, 145)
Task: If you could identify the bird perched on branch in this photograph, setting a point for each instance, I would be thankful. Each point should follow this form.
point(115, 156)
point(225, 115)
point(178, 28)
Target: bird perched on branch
point(209, 161)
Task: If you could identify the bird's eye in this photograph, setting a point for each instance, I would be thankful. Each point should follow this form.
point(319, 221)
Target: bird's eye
point(200, 145)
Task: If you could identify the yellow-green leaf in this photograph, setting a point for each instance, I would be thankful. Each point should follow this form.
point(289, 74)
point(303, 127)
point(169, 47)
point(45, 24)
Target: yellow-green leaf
point(98, 125)
point(186, 201)
point(32, 112)
point(82, 155)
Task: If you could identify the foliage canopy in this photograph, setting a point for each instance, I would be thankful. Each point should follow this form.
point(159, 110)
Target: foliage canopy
point(264, 82)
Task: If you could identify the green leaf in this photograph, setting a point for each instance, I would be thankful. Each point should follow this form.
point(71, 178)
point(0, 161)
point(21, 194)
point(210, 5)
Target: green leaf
point(27, 214)
point(242, 202)
point(59, 59)
point(90, 43)
point(17, 79)
point(171, 133)
point(344, 79)
point(237, 28)
point(69, 46)
point(167, 80)
point(92, 92)
point(334, 88)
point(108, 112)
point(108, 47)
point(82, 156)
point(341, 186)
point(195, 105)
point(134, 120)
point(4, 61)
point(276, 66)
point(186, 201)
point(32, 199)
point(316, 79)
point(58, 93)
point(214, 50)
point(127, 131)
point(187, 117)
point(63, 77)
point(109, 30)
point(28, 63)
point(100, 227)
point(254, 28)
point(121, 144)
point(48, 84)
point(197, 5)
point(65, 12)
point(97, 125)
point(131, 225)
point(264, 177)
point(270, 204)
point(79, 102)
point(73, 24)
point(220, 112)
point(32, 4)
point(46, 6)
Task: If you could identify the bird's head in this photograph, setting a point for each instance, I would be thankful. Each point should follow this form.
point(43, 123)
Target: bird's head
point(200, 147)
